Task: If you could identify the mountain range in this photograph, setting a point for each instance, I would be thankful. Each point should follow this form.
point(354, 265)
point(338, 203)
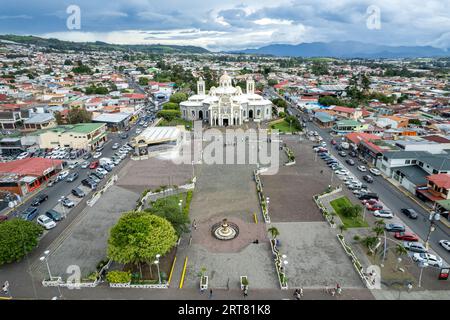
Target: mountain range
point(98, 45)
point(347, 49)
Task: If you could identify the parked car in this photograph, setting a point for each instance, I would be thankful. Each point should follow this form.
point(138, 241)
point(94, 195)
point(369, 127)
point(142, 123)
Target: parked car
point(350, 162)
point(72, 177)
point(407, 236)
point(445, 244)
point(23, 155)
point(115, 146)
point(46, 222)
point(90, 183)
point(374, 207)
point(98, 174)
point(107, 167)
point(66, 202)
point(52, 182)
point(85, 165)
point(94, 164)
point(342, 153)
point(87, 156)
point(30, 213)
point(102, 171)
point(62, 175)
point(39, 199)
point(124, 135)
point(77, 192)
point(94, 178)
point(362, 168)
point(368, 196)
point(368, 178)
point(431, 259)
point(414, 246)
point(54, 215)
point(341, 172)
point(100, 148)
point(353, 154)
point(383, 214)
point(394, 227)
point(375, 172)
point(333, 142)
point(97, 155)
point(73, 165)
point(410, 213)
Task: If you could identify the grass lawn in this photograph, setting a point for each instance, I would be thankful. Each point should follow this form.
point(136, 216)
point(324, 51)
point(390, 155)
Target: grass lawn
point(283, 126)
point(338, 205)
point(176, 122)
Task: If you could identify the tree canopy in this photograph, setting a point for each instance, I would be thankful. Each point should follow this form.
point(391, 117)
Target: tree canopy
point(178, 97)
point(17, 238)
point(139, 236)
point(78, 115)
point(169, 209)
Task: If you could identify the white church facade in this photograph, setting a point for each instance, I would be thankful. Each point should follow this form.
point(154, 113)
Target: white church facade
point(226, 105)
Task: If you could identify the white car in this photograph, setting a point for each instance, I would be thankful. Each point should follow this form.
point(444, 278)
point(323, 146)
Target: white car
point(23, 155)
point(46, 222)
point(362, 168)
point(115, 146)
point(383, 214)
point(85, 164)
point(62, 175)
point(97, 155)
point(431, 259)
point(102, 171)
point(73, 165)
point(445, 244)
point(342, 172)
point(375, 172)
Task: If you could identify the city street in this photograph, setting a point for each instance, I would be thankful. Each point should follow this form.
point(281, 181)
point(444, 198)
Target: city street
point(391, 196)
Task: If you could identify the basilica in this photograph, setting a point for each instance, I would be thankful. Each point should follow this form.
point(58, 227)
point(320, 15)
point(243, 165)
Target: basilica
point(226, 105)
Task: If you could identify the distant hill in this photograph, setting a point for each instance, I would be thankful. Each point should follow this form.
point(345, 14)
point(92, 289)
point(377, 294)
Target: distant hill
point(94, 46)
point(346, 49)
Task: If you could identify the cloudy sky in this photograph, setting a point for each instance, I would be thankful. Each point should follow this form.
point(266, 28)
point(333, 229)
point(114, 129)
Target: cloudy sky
point(233, 24)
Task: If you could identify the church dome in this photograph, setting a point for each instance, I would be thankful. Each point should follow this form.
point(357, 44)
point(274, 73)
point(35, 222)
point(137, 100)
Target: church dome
point(225, 78)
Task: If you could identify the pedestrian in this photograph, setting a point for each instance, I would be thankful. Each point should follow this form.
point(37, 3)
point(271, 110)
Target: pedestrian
point(210, 293)
point(5, 287)
point(245, 292)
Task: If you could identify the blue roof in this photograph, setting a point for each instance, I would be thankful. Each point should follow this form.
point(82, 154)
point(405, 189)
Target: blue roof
point(324, 117)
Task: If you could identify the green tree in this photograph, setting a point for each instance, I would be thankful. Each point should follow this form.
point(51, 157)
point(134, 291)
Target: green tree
point(169, 115)
point(272, 82)
point(171, 106)
point(319, 68)
point(78, 115)
point(17, 238)
point(178, 97)
point(143, 81)
point(58, 118)
point(169, 209)
point(400, 251)
point(274, 232)
point(138, 237)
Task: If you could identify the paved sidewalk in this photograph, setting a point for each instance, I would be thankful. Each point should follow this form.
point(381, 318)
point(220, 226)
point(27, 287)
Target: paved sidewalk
point(413, 295)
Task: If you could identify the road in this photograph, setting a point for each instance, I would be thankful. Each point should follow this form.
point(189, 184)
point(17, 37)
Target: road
point(390, 196)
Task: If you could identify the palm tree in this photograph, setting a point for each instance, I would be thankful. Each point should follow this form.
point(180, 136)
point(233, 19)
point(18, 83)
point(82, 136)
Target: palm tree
point(380, 223)
point(378, 231)
point(274, 232)
point(369, 242)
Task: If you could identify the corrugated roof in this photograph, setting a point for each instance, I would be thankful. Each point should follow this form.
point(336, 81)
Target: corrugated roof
point(28, 166)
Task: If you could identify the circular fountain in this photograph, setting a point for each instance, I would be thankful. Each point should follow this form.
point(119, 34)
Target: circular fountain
point(225, 230)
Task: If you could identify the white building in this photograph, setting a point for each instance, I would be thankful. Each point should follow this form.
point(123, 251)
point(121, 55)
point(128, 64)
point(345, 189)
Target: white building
point(226, 105)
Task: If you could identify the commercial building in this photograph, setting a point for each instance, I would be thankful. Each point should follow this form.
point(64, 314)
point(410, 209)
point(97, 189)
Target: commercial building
point(157, 139)
point(24, 176)
point(86, 136)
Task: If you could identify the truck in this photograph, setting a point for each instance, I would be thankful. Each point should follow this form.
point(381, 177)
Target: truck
point(345, 145)
point(104, 161)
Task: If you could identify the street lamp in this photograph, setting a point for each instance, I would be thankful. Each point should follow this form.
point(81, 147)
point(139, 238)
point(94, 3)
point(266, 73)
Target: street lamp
point(267, 202)
point(434, 217)
point(45, 258)
point(157, 265)
point(180, 204)
point(422, 265)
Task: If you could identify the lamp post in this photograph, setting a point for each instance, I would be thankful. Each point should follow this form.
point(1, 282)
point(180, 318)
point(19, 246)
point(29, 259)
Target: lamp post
point(267, 202)
point(434, 216)
point(193, 172)
point(45, 258)
point(422, 265)
point(157, 266)
point(180, 204)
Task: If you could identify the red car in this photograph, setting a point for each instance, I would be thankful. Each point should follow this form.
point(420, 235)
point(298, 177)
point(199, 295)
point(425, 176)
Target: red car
point(369, 202)
point(94, 164)
point(333, 142)
point(374, 207)
point(407, 236)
